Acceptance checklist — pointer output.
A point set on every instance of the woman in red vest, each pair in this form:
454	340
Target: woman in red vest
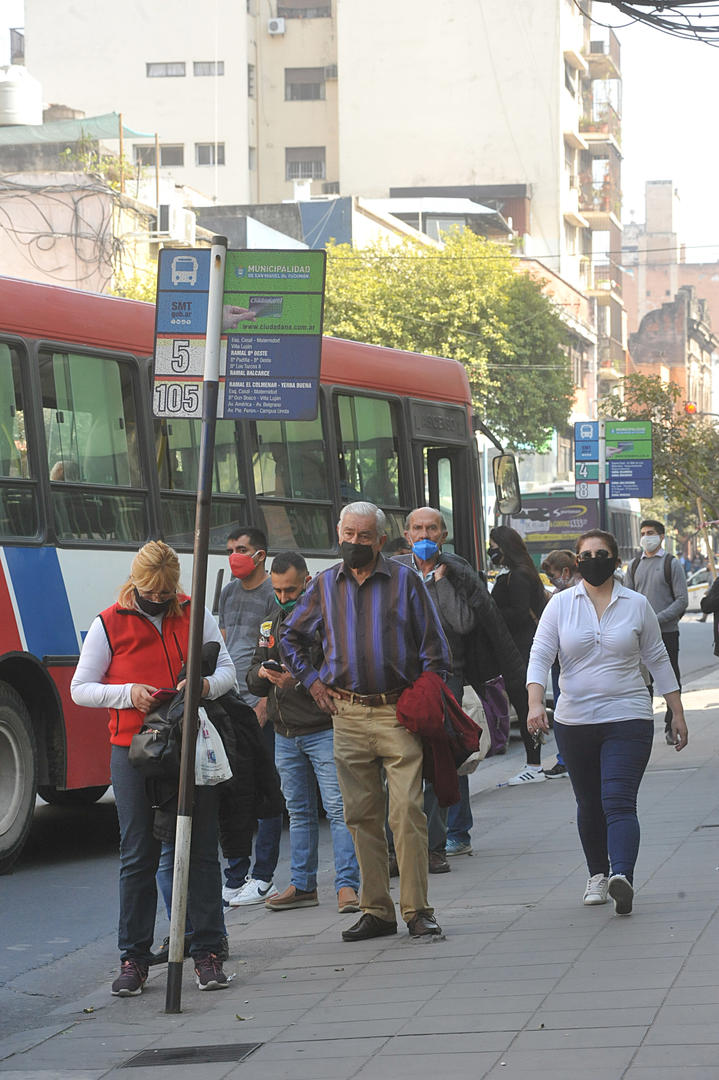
133	648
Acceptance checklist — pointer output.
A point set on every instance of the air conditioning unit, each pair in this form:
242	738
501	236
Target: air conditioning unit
182	225
276	26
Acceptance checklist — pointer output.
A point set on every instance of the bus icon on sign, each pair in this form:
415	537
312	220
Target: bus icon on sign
586	431
184	270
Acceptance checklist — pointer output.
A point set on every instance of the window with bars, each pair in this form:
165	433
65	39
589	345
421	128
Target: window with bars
208	67
304	163
305	84
209	153
174	69
304	9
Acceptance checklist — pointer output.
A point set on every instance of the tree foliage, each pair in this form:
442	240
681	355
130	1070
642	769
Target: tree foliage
685	448
465	301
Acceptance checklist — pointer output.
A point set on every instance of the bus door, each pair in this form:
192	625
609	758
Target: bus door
444	468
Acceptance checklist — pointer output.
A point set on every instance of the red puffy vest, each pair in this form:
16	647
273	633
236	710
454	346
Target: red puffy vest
142	654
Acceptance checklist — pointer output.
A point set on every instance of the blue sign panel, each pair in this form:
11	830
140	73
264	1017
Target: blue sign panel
634	470
265	378
181	313
586	451
187	270
631	489
630	479
586	431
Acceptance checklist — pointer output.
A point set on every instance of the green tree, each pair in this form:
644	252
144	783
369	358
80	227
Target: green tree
685	449
464	301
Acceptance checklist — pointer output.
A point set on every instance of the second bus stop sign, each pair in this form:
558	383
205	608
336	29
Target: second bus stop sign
272	322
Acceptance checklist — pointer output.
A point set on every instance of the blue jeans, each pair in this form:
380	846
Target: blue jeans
139	859
304	762
164	876
267	839
459	818
606	764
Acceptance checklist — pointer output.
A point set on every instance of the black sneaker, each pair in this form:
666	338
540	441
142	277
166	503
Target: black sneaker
209	974
132	978
556	772
163	953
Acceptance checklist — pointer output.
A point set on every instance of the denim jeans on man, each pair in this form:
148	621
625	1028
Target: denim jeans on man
606	763
303	762
459	816
139	859
165	871
267	840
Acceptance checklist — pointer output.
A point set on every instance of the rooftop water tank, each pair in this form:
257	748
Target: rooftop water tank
20	97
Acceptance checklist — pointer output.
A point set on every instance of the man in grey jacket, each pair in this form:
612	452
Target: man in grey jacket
426	531
665	586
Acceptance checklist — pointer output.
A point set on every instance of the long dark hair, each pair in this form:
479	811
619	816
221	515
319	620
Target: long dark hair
514	552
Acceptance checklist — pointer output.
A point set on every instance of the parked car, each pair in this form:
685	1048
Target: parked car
697	584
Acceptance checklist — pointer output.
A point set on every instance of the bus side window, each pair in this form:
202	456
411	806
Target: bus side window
369	462
18	501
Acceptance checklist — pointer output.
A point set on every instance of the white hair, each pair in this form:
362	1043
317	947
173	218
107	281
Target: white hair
366	509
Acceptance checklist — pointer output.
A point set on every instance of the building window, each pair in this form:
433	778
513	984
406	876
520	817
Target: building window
304	163
251	80
304	9
208	67
208	153
570	78
166	70
332	187
251	158
169	155
304	84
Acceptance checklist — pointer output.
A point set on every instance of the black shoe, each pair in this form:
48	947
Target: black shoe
438	863
557	772
163	953
130	981
369	926
424	925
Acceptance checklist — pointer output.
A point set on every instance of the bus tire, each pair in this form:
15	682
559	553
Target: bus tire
18	775
84	796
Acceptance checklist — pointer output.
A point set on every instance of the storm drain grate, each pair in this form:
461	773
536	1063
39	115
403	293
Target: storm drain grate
192	1055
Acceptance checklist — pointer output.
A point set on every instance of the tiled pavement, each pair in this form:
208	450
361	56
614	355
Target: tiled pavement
527	983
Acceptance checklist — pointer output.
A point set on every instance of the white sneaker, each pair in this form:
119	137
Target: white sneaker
253	891
531	774
622	893
596	890
229	894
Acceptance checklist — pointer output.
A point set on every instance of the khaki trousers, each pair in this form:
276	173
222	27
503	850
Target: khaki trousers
365	740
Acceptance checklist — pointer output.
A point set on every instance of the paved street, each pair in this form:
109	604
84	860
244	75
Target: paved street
528	981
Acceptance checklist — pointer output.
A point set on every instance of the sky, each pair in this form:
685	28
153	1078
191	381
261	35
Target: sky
670	87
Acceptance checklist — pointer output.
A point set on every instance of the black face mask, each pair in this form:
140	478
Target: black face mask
356	555
596	571
495	556
152	607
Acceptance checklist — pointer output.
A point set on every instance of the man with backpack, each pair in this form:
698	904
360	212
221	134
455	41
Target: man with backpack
659	576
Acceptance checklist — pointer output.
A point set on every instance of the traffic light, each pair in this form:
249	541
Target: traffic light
690	408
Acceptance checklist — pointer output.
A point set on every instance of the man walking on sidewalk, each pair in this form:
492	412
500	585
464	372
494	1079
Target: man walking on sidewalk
304	753
379	631
660	577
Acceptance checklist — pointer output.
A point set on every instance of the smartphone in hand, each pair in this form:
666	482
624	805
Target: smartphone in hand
163	695
273	665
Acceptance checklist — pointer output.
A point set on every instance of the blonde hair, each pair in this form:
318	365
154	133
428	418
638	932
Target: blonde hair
155	569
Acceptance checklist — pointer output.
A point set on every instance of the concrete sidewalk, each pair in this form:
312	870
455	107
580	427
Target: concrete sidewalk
528	983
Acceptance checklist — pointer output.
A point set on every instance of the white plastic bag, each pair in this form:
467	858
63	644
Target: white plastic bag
472	705
211	763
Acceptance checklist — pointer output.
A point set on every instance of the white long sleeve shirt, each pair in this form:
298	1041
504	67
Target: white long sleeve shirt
87	687
600	680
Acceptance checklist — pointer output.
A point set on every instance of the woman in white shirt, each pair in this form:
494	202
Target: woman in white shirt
603	723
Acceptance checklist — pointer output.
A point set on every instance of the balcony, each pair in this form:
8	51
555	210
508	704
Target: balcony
604	58
607	282
611	362
600	201
602	123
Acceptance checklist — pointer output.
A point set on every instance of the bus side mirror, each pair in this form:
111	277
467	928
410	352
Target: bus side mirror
506	484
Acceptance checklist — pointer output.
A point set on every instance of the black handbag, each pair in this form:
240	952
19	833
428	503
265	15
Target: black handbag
155	749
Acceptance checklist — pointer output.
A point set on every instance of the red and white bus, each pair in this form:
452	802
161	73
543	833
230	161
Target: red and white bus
87	475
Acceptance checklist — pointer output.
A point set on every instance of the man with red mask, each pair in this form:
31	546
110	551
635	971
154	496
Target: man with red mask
246	602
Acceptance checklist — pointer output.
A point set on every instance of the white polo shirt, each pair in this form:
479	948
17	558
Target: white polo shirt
600	680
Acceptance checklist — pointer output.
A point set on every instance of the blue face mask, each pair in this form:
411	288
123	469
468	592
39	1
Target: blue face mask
425	549
288	604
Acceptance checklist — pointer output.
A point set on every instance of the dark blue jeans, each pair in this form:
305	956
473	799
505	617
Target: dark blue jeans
606	763
139	859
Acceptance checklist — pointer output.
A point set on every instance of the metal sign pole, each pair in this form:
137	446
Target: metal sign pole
183	834
602	474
